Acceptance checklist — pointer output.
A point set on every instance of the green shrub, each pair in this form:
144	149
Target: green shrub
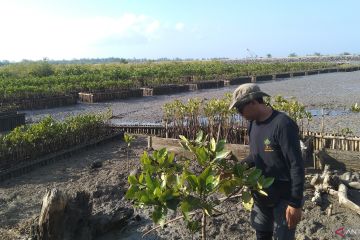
193	185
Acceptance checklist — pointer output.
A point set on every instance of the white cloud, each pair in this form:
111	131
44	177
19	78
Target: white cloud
152	27
32	34
179	26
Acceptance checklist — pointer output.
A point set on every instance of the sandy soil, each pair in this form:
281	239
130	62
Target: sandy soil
20	200
335	92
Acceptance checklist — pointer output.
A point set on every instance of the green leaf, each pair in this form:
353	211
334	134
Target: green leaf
216	181
132	180
212	145
207	212
207	171
171	180
246	196
149	182
248	205
212	182
128	139
239	181
247	200
173	203
131	192
161	155
201	155
145	160
227	186
159	214
254	175
170	158
185	143
209	180
164	178
221	155
182	137
193	226
260	182
189	204
193	182
262	192
199	136
203	177
220	145
157	192
238	170
144	197
268	182
141	178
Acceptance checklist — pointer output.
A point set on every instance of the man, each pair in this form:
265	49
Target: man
275	149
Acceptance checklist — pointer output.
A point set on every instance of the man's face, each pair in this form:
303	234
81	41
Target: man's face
248	110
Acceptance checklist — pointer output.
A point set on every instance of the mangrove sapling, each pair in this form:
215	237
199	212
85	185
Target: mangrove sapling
32	80
292	107
29	142
194	115
355	107
128	140
193	185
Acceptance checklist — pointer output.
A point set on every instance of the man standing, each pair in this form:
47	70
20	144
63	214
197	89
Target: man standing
275	149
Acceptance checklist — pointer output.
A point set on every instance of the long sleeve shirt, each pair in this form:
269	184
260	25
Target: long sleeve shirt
275	149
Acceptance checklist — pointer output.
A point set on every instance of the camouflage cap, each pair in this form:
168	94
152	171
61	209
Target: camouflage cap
245	93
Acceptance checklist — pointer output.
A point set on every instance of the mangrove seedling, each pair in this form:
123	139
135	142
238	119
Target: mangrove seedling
355	107
193	186
128	140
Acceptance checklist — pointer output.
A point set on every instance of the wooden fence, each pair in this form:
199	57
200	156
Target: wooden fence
9	121
334	141
321	140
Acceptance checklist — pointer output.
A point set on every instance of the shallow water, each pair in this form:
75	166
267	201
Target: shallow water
328	112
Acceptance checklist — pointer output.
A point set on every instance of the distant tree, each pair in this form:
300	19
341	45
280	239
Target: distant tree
268	55
41	69
123	60
345	54
4	62
292	55
317	54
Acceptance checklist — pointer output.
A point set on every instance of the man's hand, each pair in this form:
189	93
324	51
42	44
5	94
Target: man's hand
293	216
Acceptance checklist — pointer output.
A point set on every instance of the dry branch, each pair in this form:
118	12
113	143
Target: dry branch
323	184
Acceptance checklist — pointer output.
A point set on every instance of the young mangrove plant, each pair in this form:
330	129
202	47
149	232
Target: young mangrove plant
214	117
194	186
292	107
32	141
355	107
128	140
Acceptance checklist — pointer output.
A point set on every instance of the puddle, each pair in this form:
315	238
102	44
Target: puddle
328	112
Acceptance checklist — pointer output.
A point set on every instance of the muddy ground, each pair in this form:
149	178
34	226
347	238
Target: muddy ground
20	200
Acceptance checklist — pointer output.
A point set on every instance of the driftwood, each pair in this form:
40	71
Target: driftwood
327	183
343	199
326	159
351	180
65	217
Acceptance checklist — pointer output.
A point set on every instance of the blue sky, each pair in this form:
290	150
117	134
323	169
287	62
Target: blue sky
69	29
